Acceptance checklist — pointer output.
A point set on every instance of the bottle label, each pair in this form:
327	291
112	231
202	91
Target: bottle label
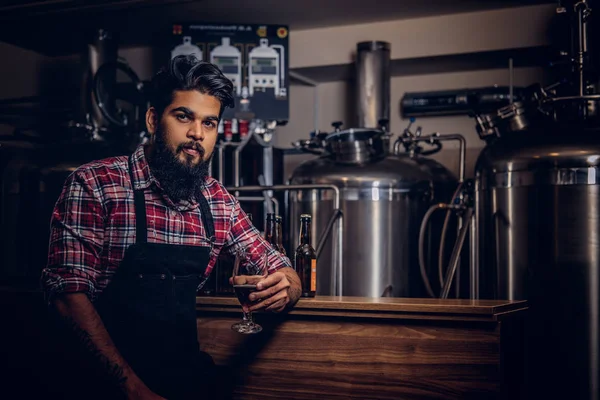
313	275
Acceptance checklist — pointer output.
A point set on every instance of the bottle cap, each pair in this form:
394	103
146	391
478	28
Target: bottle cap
305	216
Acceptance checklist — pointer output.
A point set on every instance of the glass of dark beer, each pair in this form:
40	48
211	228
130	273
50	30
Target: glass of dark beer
246	275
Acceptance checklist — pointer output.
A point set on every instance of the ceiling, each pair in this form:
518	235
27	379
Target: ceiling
61	27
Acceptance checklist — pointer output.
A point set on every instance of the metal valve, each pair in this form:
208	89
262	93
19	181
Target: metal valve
336	125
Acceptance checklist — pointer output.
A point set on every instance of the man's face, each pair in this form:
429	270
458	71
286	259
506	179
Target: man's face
184	139
189	126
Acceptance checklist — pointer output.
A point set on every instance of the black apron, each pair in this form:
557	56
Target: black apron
149	310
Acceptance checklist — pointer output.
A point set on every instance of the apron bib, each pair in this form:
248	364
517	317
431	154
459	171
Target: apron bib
149	310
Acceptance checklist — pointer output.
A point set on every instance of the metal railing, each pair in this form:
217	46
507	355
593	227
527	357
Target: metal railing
336	218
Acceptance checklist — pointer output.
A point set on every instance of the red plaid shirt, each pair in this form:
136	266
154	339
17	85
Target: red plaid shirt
93	223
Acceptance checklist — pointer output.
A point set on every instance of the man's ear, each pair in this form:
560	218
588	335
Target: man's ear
151	121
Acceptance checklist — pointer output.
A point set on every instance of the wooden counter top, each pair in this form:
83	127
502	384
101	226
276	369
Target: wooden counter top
325	348
371	348
385	307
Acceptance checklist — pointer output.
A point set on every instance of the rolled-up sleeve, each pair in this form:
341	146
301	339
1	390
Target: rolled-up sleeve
244	236
76	239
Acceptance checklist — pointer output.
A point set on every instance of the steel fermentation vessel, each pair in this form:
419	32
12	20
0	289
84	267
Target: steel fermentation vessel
538	219
383	199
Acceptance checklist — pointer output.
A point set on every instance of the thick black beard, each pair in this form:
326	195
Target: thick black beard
180	181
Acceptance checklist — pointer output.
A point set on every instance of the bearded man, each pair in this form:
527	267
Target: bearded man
133	238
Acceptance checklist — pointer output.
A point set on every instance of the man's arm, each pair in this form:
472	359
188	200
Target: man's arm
69	281
79	314
282	288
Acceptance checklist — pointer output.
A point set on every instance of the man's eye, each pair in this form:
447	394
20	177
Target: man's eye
209	124
183	117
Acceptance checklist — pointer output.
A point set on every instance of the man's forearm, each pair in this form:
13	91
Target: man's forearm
79	314
295	289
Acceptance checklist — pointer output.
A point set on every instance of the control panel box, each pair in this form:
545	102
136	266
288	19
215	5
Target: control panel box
254	57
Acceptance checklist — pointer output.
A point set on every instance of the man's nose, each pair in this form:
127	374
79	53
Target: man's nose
195	131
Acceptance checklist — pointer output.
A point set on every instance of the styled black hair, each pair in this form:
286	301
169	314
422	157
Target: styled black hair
185	72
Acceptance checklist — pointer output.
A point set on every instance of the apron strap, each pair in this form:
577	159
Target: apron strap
207	217
141	229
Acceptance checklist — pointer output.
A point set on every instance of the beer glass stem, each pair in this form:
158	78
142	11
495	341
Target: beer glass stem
248	317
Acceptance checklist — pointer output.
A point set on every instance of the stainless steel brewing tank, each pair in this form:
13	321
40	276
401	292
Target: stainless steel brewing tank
383	199
538	214
537	209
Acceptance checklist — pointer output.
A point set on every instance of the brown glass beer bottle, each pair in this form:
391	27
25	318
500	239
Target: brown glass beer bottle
270	228
278	235
305	259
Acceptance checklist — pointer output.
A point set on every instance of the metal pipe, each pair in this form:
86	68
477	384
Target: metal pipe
372	83
255	198
462	153
396	148
446	137
338	260
474	253
323	239
267	166
459	224
221	158
276	202
316	109
236	159
266	197
436	137
456	254
581	9
569	98
336	190
443	235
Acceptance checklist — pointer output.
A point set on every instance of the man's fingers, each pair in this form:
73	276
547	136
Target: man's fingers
268	301
246	279
282	285
282	295
253	280
272	292
279	305
271	280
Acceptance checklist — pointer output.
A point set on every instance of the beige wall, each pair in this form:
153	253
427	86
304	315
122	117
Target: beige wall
333	106
447	34
441	35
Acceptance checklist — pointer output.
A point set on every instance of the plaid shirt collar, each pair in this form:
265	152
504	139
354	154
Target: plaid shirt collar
144	179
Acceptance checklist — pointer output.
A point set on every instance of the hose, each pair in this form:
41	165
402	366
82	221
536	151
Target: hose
443	236
456	254
424	224
437	146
